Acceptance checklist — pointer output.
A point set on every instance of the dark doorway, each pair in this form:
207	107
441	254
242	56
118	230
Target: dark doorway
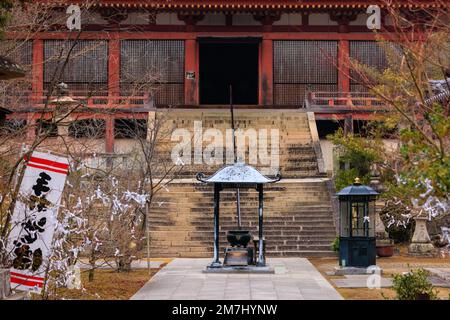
225	63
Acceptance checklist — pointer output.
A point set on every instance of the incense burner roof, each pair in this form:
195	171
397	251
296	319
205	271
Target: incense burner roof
238	173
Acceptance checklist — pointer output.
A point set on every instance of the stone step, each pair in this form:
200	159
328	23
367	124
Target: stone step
268	210
174	252
283	184
300	164
246	213
267	221
290	247
302	253
276	238
206	214
273	240
207	197
328	232
267	228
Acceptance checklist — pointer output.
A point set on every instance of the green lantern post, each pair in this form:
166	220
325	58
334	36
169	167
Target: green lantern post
357	226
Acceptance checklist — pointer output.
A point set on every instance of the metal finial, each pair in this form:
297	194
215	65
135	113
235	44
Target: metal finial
62	88
357	181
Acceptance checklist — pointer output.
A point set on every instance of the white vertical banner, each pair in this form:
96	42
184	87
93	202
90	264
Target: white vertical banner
34	219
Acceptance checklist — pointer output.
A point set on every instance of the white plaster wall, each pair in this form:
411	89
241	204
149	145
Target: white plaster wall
289	19
88	17
126	146
327	151
244	20
60	17
321	19
212	19
360	20
168	18
137	18
327	154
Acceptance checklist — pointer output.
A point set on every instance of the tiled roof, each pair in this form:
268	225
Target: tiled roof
217	5
441	97
9	70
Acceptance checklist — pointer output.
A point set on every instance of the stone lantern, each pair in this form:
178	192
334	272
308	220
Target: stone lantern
63	99
357	246
421	243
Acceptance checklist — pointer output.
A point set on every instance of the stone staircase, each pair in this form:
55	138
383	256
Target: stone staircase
296	153
298	217
300	161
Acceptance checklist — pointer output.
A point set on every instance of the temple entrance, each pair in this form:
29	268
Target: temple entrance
229	61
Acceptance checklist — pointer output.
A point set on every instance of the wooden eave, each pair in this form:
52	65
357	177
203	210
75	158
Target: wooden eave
245	5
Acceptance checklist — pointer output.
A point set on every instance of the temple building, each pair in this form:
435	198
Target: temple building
287	63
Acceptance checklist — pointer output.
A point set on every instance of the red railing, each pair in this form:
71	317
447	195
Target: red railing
343	100
101	101
314	100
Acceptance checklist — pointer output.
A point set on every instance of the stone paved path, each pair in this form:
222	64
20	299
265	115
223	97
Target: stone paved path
360	281
294	279
136	264
440	277
443	273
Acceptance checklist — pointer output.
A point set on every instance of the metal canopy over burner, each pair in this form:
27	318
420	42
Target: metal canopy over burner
238	176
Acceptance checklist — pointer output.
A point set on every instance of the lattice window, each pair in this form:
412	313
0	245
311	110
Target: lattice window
87	128
155	67
299	65
369	53
13	127
86	72
46	128
130	128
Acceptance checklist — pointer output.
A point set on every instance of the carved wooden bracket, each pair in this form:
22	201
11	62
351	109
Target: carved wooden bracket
190	19
343	18
152	17
267	18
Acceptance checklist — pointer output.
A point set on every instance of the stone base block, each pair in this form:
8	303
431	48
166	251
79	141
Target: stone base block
19	296
422	250
342	271
243	269
5	285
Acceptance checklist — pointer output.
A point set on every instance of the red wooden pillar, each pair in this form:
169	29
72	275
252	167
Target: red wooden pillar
109	134
37	84
191	68
114	67
37	71
344	66
113	90
31	128
266	73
